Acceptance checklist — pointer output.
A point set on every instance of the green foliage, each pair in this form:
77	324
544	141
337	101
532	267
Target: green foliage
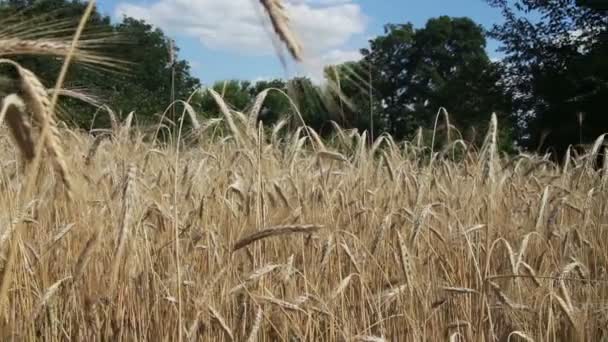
416	72
235	93
595	4
356	103
276	104
312	103
144	86
556	64
147	87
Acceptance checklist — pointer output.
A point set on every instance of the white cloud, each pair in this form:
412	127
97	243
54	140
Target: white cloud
323	26
313	67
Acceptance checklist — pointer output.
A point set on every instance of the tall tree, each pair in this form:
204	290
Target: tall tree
555	56
154	77
415	72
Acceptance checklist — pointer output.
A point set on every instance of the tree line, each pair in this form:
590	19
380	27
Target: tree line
547	89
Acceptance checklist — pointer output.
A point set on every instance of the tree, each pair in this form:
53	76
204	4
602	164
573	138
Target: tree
415	72
352	94
235	93
276	105
596	4
59	18
555	57
144	86
147	86
311	102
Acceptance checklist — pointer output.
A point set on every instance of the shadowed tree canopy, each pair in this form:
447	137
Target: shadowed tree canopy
595	4
142	84
276	105
234	92
414	72
555	56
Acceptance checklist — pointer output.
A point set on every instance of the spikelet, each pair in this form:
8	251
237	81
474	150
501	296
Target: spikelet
125	226
406	264
459	290
194	328
520	254
285	305
531	273
566	309
288	269
63	232
257	323
254	276
595	149
221	321
521	335
85	255
256	108
388	295
386	224
541	211
275	231
351	257
504	299
13	109
342	286
328	248
369	338
126	127
37	101
489	147
418	224
50	292
93	149
332	156
236	133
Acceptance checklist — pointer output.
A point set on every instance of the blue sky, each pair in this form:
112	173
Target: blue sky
227	39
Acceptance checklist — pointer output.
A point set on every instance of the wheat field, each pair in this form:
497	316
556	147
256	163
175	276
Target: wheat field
233	231
263	235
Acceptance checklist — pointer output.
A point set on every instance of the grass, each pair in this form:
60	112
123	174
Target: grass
263	234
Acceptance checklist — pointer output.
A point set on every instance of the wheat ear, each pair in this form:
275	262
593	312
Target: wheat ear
125	225
275	231
13	109
280	23
38	102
